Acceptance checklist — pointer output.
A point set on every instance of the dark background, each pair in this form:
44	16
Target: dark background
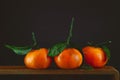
94	21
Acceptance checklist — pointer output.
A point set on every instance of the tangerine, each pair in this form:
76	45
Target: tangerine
69	58
94	56
37	59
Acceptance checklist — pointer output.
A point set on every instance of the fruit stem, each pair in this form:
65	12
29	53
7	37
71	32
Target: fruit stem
103	43
90	43
34	39
70	32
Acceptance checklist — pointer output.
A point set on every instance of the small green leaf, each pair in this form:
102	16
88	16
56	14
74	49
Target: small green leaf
107	51
19	50
25	49
57	49
87	67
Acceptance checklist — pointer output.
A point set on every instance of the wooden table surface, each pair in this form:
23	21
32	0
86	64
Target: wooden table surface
22	70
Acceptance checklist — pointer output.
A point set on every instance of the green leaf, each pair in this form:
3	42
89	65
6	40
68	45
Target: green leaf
19	50
57	49
23	50
87	67
107	51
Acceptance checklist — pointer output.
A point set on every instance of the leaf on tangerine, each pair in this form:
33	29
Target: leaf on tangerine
25	49
87	67
19	50
57	49
107	51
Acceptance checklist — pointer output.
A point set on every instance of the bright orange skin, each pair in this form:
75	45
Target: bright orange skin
37	59
94	56
69	58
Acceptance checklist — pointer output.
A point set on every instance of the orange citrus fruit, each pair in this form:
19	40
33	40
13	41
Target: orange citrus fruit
37	59
94	56
69	58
